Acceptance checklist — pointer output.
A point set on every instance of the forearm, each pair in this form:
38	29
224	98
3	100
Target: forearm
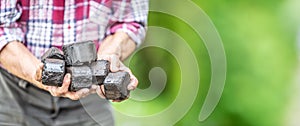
119	44
17	59
116	48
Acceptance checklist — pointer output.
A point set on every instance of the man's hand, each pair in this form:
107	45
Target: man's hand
63	91
115	48
115	66
17	59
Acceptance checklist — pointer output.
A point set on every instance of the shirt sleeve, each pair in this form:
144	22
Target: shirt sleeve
130	16
10	30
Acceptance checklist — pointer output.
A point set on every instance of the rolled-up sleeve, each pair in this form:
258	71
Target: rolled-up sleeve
130	16
10	30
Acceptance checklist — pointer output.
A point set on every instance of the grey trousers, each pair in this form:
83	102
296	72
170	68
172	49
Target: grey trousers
23	104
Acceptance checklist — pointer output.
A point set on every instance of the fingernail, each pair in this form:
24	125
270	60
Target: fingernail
68	76
94	87
130	87
86	91
114	69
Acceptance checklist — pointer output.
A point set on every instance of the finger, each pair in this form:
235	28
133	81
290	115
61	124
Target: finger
66	82
71	95
99	92
119	100
124	68
93	89
133	83
82	93
115	63
38	74
133	80
47	88
65	86
53	91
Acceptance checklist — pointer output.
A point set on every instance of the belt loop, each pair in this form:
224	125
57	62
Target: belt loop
23	84
55	106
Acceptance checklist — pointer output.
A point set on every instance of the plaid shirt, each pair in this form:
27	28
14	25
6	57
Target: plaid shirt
42	24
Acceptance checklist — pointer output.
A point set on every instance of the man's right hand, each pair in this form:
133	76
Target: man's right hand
17	59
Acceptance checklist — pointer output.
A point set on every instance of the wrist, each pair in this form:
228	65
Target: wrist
23	64
118	44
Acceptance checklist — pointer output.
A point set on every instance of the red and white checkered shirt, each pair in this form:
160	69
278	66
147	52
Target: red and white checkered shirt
42	24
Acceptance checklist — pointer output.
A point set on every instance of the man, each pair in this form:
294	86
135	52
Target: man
28	28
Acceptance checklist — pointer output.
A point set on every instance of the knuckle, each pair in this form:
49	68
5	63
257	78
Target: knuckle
54	94
136	82
59	92
74	97
77	96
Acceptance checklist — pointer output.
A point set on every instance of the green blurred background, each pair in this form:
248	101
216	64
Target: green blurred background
259	38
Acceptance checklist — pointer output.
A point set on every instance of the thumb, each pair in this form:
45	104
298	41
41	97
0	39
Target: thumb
38	73
114	63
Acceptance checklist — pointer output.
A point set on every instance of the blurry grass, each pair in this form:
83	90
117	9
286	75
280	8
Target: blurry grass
261	57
